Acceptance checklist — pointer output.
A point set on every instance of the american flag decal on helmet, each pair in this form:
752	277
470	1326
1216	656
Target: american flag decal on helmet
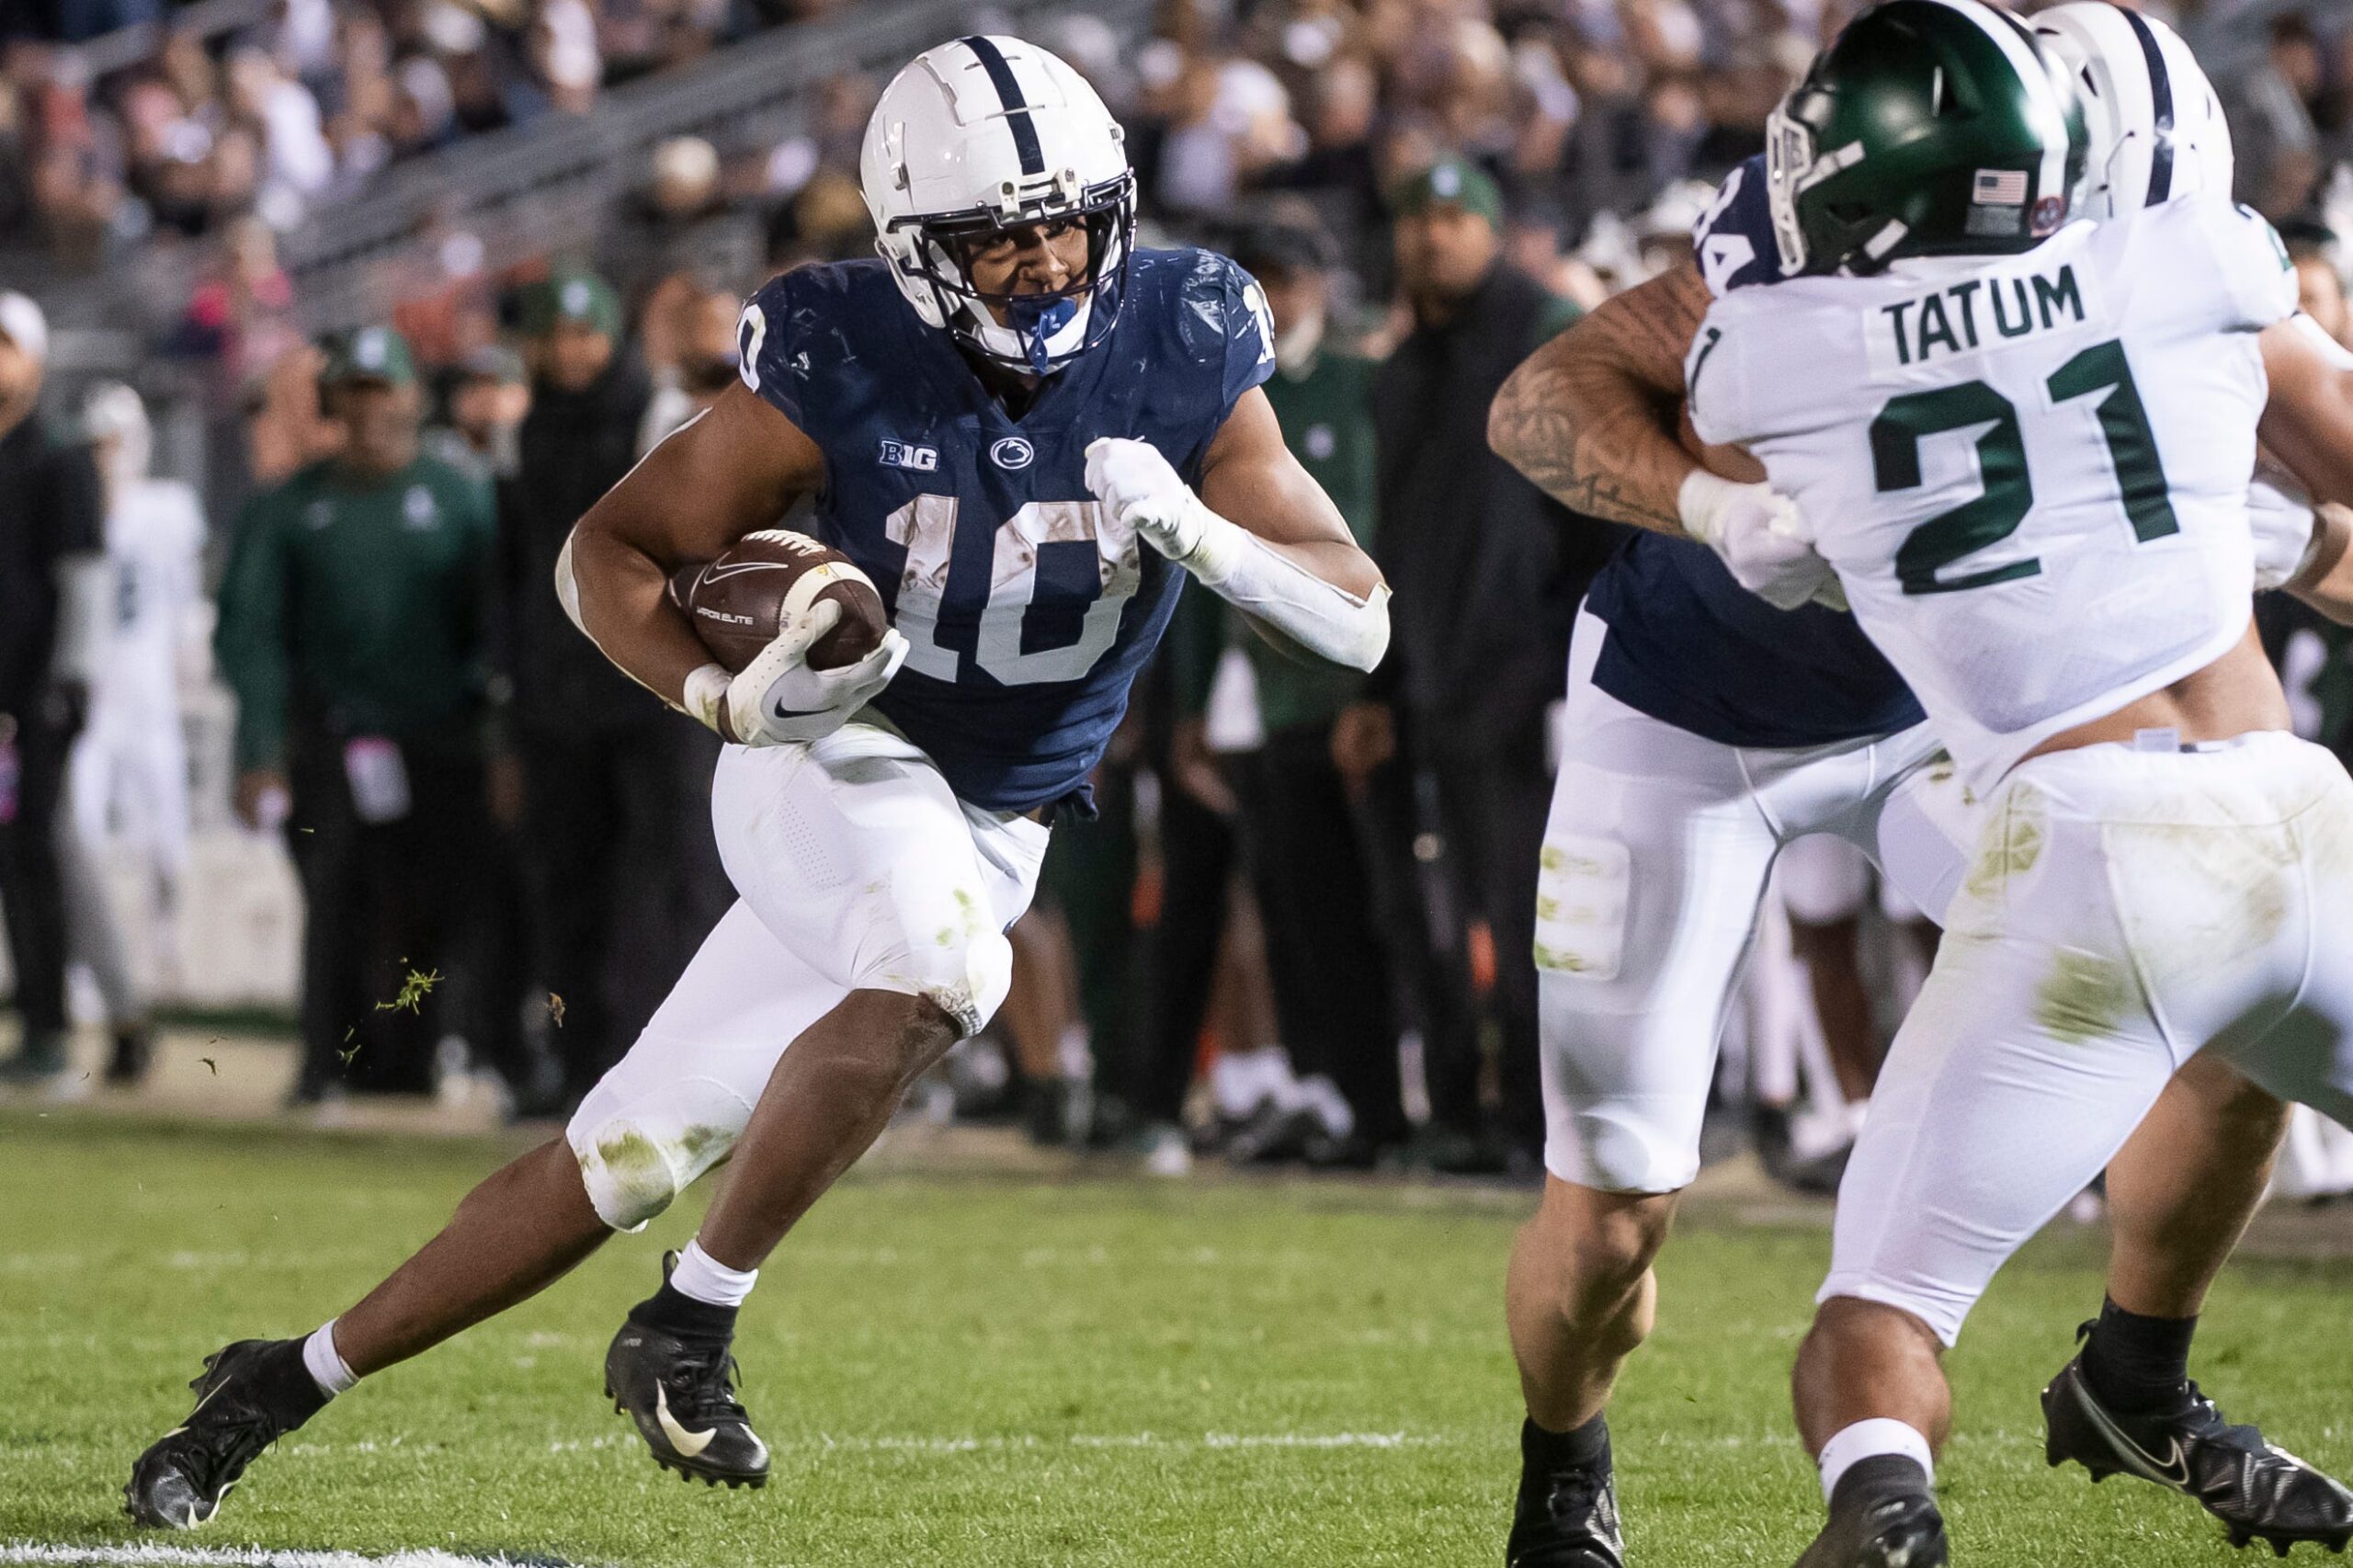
1999	187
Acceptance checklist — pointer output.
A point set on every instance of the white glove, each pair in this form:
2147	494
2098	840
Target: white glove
778	699
1761	537
2288	532
1143	492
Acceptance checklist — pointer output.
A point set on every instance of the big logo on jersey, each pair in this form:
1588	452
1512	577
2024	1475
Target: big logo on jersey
926	528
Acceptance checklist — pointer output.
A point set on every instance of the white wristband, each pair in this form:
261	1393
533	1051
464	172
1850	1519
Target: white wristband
1701	502
705	687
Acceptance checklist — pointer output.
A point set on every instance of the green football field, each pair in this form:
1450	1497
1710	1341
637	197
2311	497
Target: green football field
964	1365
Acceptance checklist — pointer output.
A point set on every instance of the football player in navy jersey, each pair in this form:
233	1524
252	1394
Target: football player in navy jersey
1721	704
1027	434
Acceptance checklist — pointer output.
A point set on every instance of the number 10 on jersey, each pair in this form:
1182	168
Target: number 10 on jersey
926	528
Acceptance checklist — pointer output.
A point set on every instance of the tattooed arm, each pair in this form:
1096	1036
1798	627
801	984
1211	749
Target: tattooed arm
1595	417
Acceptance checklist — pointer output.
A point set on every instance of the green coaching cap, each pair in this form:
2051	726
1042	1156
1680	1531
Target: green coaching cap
371	354
1457	180
581	297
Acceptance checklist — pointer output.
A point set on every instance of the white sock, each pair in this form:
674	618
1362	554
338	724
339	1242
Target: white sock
325	1366
1075	1054
1866	1439
702	1277
1331	1107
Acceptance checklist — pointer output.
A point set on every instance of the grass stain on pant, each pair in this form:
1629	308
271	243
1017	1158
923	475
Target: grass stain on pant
2084	997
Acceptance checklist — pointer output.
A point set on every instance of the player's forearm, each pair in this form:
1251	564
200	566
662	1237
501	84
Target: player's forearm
620	596
1340	562
1324	595
2327	584
2308	422
1589	437
1592	417
733	468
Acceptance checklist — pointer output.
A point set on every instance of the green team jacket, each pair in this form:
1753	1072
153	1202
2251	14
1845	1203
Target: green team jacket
1327	415
367	606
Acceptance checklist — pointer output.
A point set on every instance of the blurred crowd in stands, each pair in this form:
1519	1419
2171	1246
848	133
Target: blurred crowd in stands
1329	881
302	107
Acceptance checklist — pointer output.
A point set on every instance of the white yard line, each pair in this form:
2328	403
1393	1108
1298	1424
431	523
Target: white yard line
27	1552
1027	1442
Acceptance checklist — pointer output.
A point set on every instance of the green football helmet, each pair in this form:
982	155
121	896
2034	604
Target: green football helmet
1927	127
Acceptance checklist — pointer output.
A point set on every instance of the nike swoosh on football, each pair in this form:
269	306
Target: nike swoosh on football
2173	1472
689	1445
718	574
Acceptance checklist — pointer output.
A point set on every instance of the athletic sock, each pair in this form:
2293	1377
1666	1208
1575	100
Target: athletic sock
705	1278
673	1311
1579	1448
1878	1453
325	1363
1875	1478
2138	1363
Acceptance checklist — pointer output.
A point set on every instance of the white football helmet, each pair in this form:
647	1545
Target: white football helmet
113	411
988	133
2156	128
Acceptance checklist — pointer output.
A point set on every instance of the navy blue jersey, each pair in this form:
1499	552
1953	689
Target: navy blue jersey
1686	642
1028	611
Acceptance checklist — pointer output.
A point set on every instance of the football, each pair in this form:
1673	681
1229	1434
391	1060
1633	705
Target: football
737	601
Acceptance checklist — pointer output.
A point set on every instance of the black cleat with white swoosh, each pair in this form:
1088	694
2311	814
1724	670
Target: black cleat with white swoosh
681	1394
250	1394
2260	1492
1566	1516
1883	1515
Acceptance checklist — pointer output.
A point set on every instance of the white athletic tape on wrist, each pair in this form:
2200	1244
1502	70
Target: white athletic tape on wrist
1702	500
705	687
1245	571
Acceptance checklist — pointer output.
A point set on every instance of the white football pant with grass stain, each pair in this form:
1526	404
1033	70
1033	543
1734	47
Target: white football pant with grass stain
858	869
2124	909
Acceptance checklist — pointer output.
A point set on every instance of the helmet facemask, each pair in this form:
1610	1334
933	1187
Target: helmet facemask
1040	331
1793	165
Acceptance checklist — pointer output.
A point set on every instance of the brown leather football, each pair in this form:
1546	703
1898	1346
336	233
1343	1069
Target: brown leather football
737	601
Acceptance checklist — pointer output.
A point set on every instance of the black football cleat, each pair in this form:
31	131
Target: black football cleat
1883	1516
1564	1518
2260	1492
681	1395
251	1394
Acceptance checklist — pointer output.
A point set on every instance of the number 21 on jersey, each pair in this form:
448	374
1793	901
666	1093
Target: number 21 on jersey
926	526
2008	491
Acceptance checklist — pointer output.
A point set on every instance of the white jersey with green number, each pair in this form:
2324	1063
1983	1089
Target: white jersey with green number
2030	472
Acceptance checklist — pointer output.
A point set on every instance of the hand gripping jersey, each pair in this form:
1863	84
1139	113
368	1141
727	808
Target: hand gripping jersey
2030	472
1028	611
1688	643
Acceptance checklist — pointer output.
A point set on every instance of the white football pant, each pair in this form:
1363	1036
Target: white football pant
1654	864
856	869
2124	909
